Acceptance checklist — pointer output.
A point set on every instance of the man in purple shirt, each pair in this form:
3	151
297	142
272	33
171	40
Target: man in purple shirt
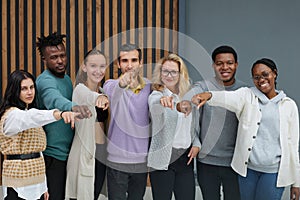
128	134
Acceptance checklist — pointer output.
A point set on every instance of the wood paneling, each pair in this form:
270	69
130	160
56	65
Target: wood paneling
105	24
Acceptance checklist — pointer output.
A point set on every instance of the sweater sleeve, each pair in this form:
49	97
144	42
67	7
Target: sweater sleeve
163	123
19	120
294	129
233	101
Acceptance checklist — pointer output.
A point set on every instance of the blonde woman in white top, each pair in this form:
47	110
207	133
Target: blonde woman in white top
86	163
174	144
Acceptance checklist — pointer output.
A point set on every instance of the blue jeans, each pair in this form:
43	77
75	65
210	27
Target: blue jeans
259	186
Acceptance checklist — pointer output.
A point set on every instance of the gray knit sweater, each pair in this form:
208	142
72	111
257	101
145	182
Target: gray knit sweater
163	125
218	126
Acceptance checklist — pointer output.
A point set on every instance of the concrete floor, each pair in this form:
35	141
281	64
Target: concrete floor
198	194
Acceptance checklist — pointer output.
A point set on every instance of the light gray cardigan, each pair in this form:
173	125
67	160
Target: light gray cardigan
163	125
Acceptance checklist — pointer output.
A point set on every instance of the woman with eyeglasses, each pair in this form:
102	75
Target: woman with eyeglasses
22	138
174	143
266	154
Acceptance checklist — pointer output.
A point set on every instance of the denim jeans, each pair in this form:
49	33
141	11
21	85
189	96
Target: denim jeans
259	186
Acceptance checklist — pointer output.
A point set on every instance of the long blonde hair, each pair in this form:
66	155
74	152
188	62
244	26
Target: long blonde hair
184	80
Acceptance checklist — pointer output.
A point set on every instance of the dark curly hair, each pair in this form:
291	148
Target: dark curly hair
54	39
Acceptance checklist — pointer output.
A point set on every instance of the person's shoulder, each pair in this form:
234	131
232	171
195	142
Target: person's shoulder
240	83
45	76
79	87
290	101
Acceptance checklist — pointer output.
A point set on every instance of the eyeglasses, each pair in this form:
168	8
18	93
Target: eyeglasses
264	75
172	73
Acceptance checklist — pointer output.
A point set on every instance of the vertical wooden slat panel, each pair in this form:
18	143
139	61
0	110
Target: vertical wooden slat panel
4	52
54	16
167	26
149	39
38	34
12	44
114	33
124	22
140	26
106	31
158	30
98	22
29	35
89	25
114	18
72	37
21	49
63	17
46	16
175	25
80	32
132	21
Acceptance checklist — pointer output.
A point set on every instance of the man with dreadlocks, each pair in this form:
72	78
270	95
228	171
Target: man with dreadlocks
55	91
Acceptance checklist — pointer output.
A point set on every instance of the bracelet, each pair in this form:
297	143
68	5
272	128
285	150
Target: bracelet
62	113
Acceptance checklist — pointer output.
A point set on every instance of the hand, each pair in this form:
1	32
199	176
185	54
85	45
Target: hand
83	110
46	195
128	80
70	117
185	107
167	101
102	102
200	99
193	153
294	193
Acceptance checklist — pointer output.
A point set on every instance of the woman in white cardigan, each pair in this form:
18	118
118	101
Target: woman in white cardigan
86	163
266	152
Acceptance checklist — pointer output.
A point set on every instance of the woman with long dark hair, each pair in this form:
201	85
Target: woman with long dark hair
22	138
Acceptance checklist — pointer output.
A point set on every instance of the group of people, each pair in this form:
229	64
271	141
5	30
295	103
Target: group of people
244	139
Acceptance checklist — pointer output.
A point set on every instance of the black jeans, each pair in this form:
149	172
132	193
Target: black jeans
210	178
56	177
124	185
100	172
179	178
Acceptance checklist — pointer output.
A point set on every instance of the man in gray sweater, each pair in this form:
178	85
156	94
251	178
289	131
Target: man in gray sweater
217	130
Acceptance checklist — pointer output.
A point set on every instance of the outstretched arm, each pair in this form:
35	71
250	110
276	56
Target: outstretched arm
201	98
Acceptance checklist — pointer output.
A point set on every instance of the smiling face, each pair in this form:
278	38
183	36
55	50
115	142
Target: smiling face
225	68
129	62
27	91
264	79
95	67
170	75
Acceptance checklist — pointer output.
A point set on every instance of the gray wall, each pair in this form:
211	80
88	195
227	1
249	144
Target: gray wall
256	28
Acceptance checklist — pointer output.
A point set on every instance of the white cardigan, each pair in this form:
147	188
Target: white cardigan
81	161
245	104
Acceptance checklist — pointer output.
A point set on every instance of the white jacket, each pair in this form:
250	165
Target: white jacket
244	103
